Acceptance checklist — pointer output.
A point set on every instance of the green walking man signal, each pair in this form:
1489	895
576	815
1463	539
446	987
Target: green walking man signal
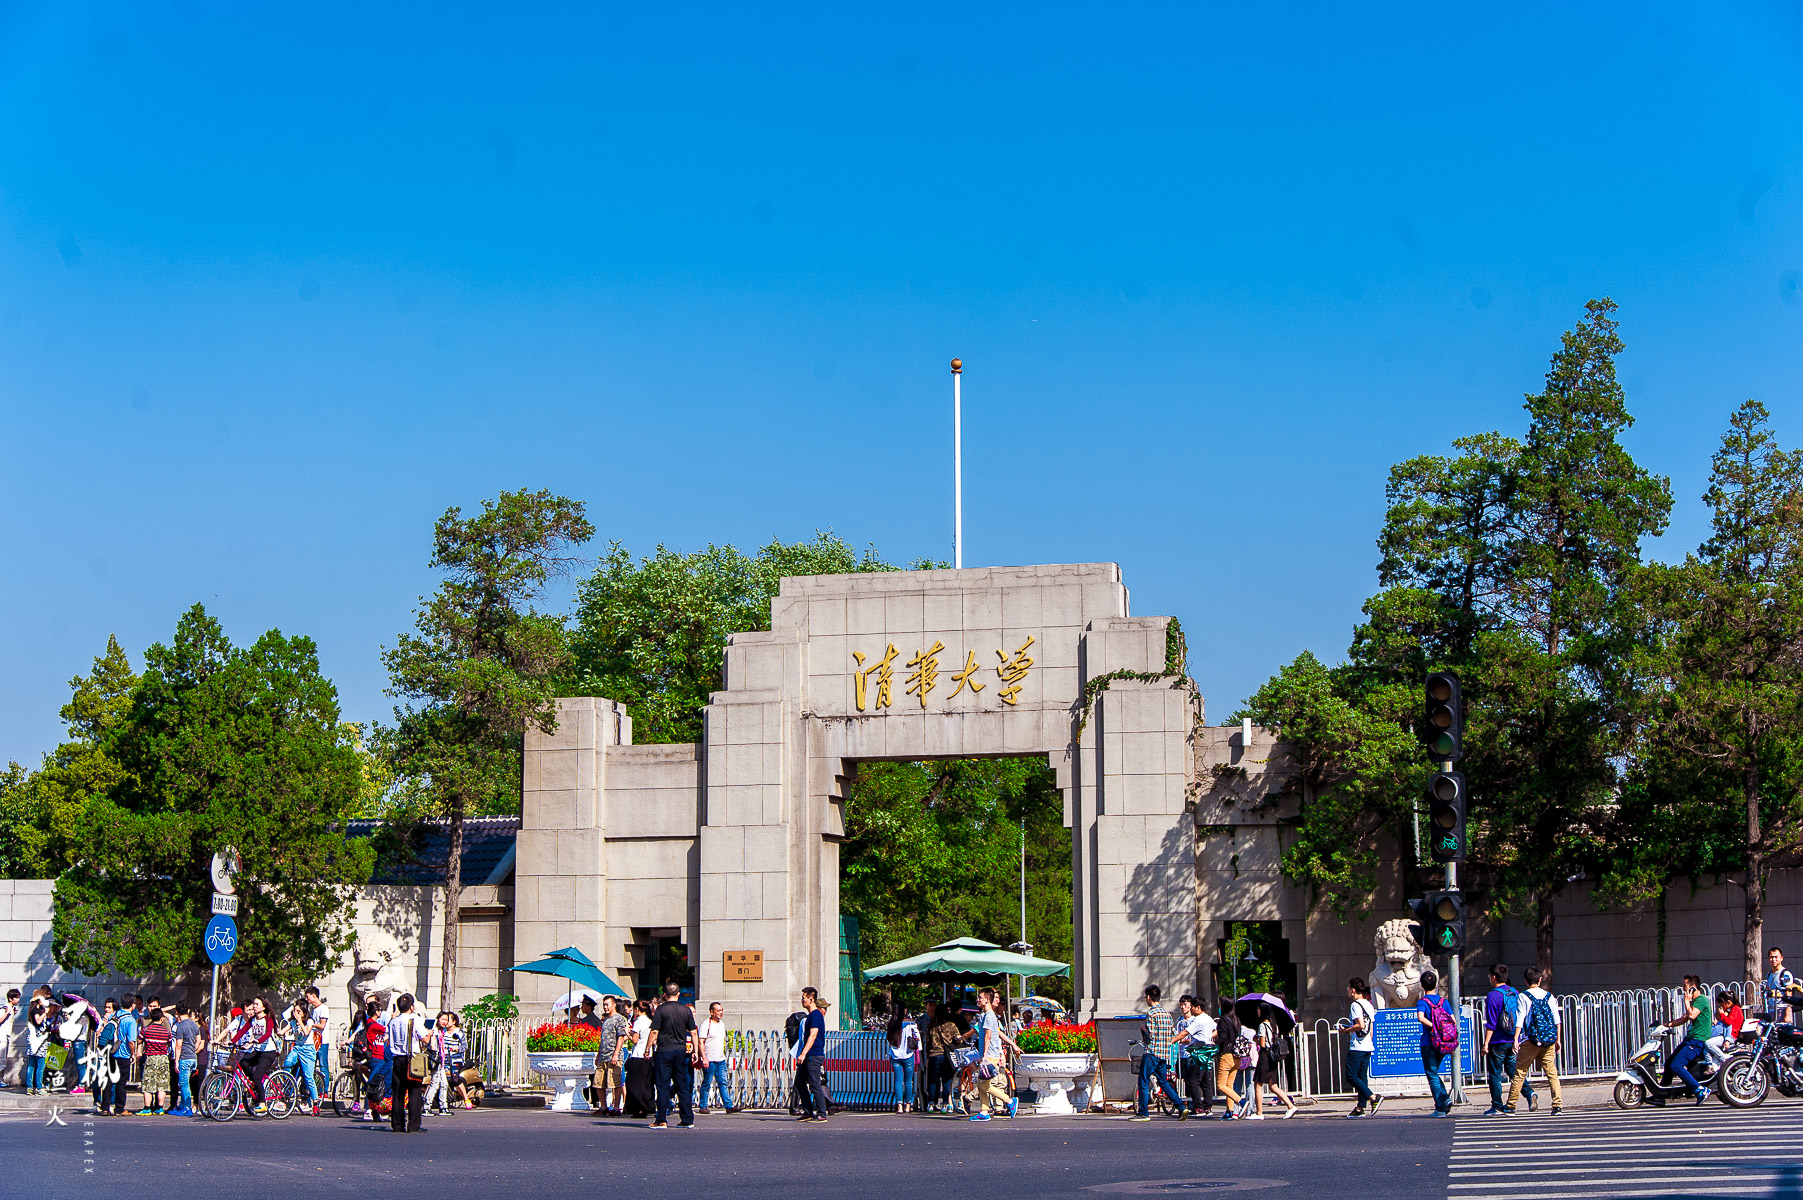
1439	922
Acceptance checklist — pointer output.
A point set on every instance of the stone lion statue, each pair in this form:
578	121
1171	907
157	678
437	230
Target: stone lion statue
373	977
1396	979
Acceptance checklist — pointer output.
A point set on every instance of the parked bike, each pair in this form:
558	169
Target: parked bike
1641	1081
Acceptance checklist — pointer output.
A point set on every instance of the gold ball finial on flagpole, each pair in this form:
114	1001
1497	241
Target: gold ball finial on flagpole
957	366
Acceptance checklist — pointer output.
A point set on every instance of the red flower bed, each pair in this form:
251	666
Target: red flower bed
561	1038
1047	1038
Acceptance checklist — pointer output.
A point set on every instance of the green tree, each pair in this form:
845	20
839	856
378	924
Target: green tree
932	852
651	633
1359	767
1733	661
219	746
480	663
1515	563
43	813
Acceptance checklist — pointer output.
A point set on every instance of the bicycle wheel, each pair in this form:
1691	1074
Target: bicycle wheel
281	1093
345	1093
219	1097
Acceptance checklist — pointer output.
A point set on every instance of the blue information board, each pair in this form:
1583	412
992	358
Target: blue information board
1396	1044
222	939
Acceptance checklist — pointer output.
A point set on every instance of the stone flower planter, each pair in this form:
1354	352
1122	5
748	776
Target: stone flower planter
1054	1076
567	1071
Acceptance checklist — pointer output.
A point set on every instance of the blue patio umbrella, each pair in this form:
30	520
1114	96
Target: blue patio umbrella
577	967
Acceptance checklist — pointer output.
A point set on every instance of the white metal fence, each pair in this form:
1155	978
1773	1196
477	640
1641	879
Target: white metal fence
1598	1032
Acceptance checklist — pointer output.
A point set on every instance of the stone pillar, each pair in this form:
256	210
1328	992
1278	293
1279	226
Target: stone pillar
1136	828
560	859
763	884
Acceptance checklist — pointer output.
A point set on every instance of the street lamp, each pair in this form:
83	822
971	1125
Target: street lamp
1239	949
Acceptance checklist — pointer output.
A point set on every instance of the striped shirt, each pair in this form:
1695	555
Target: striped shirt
156	1040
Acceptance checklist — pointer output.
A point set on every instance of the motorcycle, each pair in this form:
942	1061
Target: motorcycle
1640	1081
1770	1057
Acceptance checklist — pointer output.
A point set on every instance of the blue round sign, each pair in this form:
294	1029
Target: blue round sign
222	939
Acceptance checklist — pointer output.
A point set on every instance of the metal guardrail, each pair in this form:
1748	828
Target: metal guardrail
1598	1032
761	1073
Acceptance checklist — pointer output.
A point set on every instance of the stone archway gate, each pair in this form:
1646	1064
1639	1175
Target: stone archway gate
733	845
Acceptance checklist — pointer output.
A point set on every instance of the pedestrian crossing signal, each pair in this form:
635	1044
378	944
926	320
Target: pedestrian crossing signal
1439	923
1445	923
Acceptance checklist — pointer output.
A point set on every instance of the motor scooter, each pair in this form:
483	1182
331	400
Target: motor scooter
1641	1080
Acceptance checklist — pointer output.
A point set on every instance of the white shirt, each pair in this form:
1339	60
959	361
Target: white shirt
322	1019
1525	1006
641	1031
1362	1011
910	1042
1201	1030
713	1041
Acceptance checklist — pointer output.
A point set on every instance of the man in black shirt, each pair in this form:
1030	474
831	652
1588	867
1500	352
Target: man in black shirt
673	1055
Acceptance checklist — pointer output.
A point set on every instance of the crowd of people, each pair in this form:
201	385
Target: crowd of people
73	1048
654	1059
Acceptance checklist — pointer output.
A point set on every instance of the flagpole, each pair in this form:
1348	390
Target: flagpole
957	463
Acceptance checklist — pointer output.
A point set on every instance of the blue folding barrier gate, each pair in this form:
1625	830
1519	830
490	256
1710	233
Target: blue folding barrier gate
857	1069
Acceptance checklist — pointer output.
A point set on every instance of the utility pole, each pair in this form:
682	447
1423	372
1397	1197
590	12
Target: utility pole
1458	1011
958	473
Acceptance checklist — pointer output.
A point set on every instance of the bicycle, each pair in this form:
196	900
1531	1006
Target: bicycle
349	1087
229	1089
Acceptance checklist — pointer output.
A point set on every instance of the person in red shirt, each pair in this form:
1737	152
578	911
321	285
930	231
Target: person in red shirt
373	1034
1730	1017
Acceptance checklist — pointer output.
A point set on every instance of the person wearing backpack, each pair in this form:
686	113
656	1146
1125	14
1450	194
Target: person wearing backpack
1439	1037
1501	1015
1537	1039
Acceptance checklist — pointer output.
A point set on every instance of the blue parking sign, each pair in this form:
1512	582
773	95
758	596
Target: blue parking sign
222	939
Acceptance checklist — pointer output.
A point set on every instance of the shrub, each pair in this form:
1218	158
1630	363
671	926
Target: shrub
1048	1038
496	1006
558	1038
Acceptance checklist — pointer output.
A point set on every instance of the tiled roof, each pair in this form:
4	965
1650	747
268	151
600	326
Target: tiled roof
486	842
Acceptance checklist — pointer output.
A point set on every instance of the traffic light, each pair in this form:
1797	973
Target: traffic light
1445	913
1444	730
1446	816
1418	929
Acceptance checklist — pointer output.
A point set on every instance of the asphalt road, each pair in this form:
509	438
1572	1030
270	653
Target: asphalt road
503	1152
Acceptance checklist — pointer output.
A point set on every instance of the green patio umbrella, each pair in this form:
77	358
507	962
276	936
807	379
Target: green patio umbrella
963	960
577	967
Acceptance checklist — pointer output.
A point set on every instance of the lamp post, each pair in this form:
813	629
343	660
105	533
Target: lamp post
1239	949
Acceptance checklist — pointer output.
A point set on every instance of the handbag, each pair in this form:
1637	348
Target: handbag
416	1067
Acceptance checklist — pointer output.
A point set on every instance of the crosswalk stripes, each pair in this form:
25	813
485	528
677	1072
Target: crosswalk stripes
1677	1151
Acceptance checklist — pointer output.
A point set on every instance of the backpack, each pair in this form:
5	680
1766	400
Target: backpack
1443	1033
1505	1021
1242	1045
1542	1029
1281	1047
792	1027
109	1033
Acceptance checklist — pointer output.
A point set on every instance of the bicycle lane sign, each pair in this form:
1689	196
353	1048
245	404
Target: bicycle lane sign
222	939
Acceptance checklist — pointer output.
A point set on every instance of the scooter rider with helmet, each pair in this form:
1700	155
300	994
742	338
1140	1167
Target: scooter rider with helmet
1699	1014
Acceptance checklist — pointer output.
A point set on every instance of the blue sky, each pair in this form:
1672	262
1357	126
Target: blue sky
276	289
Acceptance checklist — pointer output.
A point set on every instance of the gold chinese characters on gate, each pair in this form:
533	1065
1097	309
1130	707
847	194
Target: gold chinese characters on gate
873	679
